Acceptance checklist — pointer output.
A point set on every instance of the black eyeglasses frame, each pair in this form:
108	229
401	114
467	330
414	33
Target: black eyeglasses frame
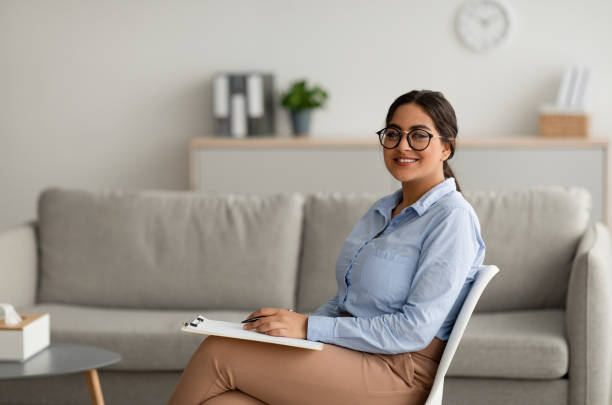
380	135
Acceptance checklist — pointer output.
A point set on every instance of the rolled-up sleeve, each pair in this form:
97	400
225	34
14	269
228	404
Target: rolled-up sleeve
448	253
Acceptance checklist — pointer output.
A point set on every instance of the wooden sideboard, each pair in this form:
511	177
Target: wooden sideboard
309	163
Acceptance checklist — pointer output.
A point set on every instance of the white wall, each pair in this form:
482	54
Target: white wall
108	93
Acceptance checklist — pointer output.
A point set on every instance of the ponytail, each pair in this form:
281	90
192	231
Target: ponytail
448	172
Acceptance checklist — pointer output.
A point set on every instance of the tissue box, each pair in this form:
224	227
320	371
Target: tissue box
575	125
21	341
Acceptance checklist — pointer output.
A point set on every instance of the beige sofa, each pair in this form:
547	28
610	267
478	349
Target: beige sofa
123	269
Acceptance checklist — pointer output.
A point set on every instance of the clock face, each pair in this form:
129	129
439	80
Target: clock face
483	24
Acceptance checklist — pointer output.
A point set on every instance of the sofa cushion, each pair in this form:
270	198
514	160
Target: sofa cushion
530	234
514	344
527	344
328	219
169	249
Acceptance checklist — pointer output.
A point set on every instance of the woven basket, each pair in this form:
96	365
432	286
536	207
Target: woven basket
571	125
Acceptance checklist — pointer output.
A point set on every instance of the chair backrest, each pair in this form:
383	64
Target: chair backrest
482	278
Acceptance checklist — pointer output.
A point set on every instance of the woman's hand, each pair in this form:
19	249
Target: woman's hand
279	322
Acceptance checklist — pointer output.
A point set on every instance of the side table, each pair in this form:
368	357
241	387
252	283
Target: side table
64	358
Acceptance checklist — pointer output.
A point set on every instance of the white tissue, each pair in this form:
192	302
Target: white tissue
10	315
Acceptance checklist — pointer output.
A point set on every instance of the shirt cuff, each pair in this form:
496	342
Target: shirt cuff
320	328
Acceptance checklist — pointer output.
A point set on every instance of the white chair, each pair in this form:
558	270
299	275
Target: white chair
481	279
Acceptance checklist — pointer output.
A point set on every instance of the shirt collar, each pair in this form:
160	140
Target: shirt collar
387	203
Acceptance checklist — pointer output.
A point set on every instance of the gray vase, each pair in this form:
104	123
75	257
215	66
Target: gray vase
300	121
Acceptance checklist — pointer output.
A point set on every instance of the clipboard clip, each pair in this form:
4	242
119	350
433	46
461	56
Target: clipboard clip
196	321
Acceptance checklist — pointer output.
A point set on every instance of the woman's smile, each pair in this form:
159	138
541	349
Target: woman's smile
405	160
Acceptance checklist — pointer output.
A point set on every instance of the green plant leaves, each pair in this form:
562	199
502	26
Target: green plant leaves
300	97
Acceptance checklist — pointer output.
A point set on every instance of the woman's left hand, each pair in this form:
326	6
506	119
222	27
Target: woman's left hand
279	322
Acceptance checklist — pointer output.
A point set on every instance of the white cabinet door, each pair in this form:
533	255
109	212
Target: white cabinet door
309	165
292	169
518	168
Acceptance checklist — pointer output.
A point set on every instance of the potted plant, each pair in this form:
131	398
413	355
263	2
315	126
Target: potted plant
300	100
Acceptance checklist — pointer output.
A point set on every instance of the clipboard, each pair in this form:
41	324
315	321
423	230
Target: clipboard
207	326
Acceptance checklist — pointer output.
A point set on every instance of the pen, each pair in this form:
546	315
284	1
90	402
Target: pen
253	319
257	317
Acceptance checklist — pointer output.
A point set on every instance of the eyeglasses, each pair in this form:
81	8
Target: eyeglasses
418	139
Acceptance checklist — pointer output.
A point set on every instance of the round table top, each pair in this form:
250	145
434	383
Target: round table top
59	358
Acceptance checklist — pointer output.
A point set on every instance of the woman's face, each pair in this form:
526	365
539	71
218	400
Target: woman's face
428	168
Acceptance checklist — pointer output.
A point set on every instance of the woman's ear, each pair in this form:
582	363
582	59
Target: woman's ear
446	152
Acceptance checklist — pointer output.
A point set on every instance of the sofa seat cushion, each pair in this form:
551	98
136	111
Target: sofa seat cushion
515	344
146	339
526	344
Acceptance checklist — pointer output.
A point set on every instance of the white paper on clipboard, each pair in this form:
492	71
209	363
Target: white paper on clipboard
207	326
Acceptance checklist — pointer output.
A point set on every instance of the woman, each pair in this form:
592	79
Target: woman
406	268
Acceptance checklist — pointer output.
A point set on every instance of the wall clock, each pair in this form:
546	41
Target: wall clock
483	25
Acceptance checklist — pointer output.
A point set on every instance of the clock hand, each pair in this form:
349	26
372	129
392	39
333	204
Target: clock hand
485	22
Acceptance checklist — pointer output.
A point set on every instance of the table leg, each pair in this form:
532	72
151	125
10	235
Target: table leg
95	391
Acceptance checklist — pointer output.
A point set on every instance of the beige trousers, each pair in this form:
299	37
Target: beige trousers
236	371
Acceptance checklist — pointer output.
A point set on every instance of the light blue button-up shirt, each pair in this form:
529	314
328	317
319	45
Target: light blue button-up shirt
407	285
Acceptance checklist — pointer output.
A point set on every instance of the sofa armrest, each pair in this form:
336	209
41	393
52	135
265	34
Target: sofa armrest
19	264
588	319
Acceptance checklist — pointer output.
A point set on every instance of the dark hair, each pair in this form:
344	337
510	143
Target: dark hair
441	113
